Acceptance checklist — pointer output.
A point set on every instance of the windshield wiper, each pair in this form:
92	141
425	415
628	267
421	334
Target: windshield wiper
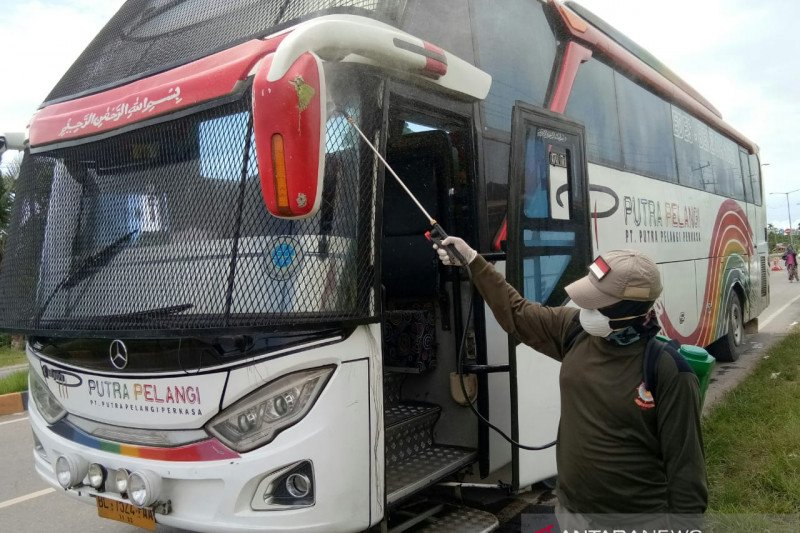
158	312
89	266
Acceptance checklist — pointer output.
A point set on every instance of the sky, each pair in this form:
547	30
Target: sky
742	55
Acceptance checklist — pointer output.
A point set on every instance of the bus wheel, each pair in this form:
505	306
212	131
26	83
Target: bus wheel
729	347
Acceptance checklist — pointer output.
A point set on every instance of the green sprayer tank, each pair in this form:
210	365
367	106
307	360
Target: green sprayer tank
701	362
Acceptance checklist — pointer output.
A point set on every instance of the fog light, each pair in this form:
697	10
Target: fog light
298	485
121	480
70	470
144	488
290	487
97	476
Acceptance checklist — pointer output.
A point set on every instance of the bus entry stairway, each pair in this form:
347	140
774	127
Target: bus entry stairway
414	461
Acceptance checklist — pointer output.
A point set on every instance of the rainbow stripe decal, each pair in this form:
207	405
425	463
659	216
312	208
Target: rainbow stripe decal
206	450
731	247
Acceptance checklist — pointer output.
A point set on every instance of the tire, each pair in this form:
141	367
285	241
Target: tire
730	346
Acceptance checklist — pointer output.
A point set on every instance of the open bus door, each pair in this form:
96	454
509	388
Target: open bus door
549	246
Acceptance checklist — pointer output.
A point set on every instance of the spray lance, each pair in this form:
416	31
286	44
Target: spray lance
438	235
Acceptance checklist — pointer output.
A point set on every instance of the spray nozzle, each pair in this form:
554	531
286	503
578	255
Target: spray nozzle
437	234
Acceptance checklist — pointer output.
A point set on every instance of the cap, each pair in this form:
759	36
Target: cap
614	276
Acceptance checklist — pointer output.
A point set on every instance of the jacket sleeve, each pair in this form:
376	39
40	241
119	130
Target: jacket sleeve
540	327
678	411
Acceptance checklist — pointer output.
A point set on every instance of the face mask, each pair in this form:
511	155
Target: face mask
595	323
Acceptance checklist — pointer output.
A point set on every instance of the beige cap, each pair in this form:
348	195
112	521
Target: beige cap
614	276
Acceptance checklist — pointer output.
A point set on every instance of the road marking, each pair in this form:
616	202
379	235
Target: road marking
778	312
12	421
32	495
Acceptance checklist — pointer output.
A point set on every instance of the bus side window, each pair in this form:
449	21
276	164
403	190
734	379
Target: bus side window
593	101
755	178
744	169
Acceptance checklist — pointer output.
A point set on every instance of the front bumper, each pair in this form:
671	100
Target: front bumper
216	495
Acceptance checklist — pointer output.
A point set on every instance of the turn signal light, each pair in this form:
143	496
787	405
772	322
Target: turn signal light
279	173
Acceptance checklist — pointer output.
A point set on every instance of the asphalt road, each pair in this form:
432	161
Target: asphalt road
27	504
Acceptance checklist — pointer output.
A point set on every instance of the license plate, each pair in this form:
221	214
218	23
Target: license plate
126	513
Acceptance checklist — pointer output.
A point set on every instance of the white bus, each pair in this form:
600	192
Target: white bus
234	320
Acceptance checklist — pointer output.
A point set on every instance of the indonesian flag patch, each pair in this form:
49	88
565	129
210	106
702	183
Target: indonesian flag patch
599	268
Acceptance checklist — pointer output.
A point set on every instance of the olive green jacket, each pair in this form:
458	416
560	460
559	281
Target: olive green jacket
618	451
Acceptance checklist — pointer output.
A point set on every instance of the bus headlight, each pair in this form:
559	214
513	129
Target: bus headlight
257	418
144	488
70	470
47	404
121	480
97	476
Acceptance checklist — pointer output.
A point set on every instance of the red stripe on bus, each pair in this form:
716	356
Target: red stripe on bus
573	57
434	66
502	234
185	86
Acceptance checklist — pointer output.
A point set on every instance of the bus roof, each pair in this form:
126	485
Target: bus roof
634	60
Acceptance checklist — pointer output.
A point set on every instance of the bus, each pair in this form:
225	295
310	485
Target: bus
234	321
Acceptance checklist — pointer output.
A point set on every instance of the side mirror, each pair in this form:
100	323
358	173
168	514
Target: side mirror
12	141
289	116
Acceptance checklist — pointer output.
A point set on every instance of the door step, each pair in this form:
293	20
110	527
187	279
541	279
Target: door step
414	460
425	468
444	518
409	430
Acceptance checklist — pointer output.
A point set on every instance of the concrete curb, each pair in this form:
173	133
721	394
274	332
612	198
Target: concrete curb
12	403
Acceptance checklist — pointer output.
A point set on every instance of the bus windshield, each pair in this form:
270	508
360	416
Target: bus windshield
164	228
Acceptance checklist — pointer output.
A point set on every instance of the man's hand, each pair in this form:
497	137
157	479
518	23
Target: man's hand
462	247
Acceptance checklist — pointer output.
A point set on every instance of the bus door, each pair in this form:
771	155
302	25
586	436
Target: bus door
549	246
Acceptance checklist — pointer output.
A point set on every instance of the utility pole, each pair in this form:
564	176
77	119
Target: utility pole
789	211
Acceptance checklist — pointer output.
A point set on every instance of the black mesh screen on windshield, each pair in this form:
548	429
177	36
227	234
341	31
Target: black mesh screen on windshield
148	36
164	229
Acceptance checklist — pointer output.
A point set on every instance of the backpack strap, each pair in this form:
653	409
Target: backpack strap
574	332
655	347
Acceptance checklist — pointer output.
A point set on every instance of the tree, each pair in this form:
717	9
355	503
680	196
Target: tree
9	171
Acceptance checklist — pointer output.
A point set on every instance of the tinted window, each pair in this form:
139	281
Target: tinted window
497	157
755	178
706	159
593	102
424	20
745	170
645	125
725	161
516	46
691	148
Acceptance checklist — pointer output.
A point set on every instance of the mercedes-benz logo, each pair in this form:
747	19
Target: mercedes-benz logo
118	354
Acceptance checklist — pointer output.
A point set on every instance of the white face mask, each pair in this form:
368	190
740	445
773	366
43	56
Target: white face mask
595	323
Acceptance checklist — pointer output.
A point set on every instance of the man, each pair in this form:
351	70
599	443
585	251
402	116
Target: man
791	263
619	450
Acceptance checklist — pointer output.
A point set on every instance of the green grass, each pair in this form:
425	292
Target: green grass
752	438
10	356
15	382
